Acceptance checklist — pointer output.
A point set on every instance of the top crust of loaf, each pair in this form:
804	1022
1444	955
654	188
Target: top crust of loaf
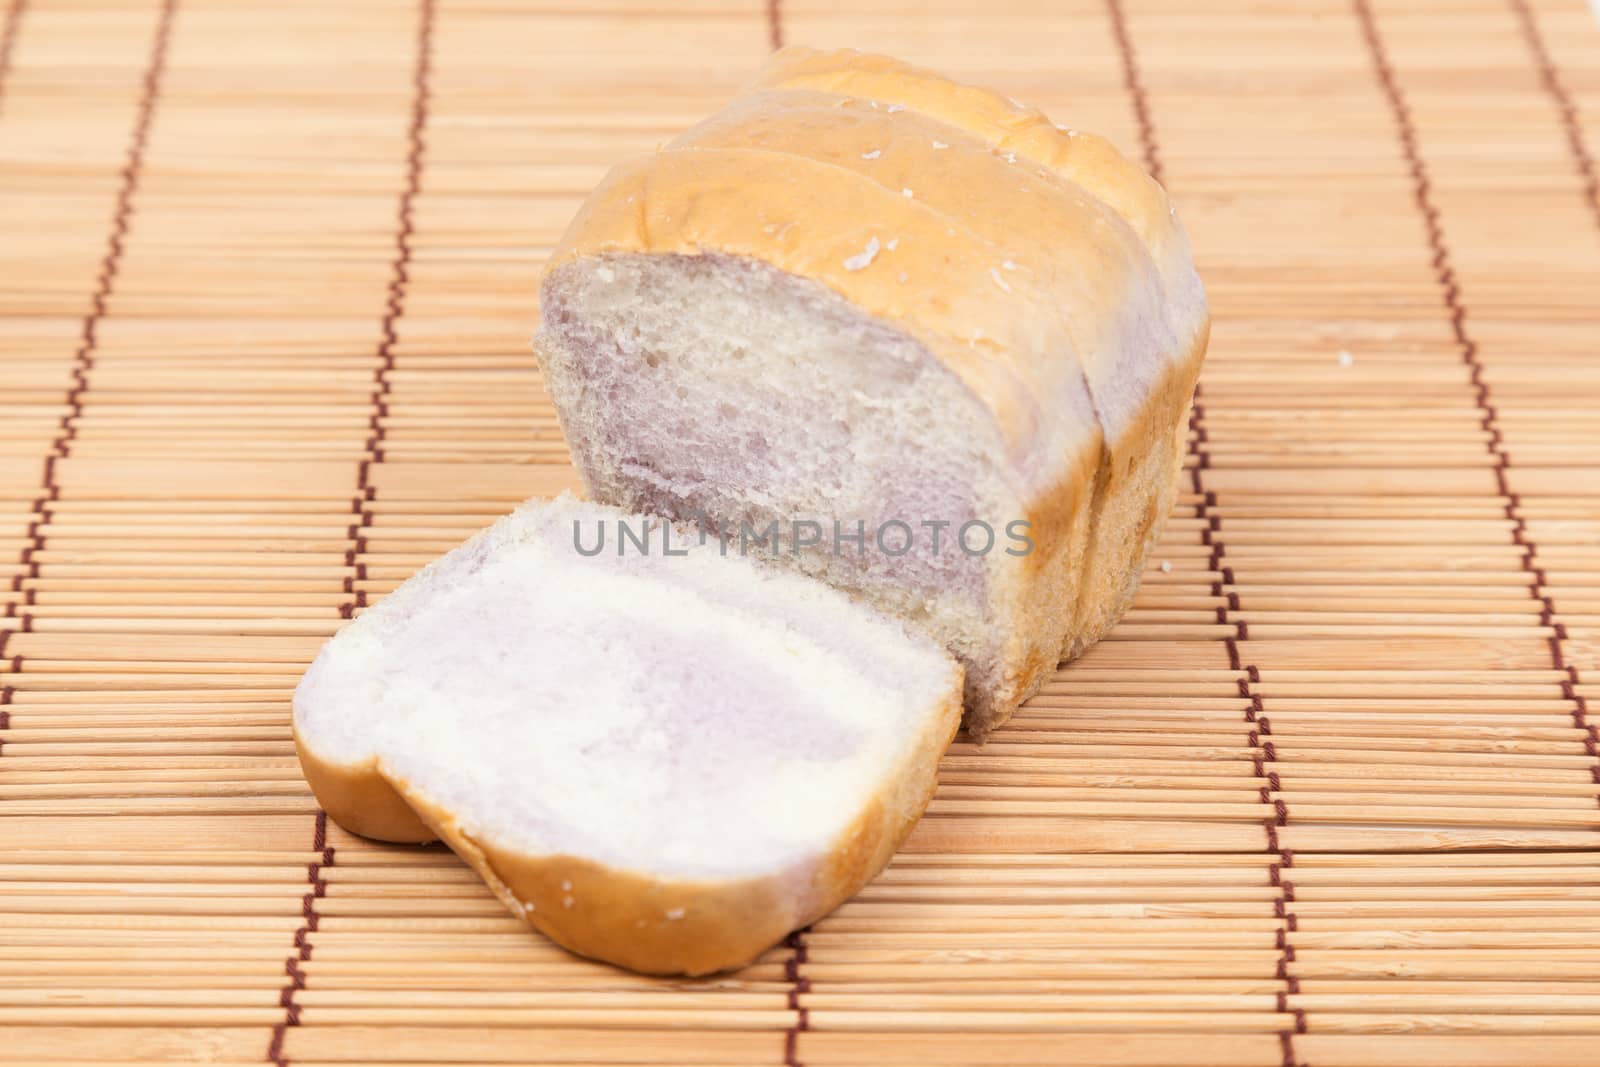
1084	159
1048	272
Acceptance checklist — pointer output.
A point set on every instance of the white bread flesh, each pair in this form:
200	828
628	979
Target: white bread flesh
663	761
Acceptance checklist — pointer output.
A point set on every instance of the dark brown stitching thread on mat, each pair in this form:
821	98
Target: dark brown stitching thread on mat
1571	125
8	38
1583	162
5	693
798	984
8	41
1265	755
302	939
1444	270
88	338
1451	289
1133	82
1264	752
394	309
775	23
105	285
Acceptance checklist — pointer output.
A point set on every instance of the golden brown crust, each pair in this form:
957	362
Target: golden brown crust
1134	495
1084	159
644	923
360	799
1085	570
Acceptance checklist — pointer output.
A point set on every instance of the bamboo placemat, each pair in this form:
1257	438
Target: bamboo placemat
1329	796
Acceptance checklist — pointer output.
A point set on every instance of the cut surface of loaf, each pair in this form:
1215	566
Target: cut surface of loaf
864	294
663	761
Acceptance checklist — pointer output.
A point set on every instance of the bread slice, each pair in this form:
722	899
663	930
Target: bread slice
664	761
863	294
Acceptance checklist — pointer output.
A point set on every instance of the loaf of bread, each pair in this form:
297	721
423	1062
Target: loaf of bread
917	347
863	298
665	761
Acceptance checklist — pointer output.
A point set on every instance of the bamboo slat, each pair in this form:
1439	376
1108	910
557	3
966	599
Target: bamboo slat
1330	795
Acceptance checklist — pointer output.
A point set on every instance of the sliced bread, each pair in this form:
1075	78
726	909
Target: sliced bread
664	761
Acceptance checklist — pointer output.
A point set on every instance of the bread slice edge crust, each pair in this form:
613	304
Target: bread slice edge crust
631	918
